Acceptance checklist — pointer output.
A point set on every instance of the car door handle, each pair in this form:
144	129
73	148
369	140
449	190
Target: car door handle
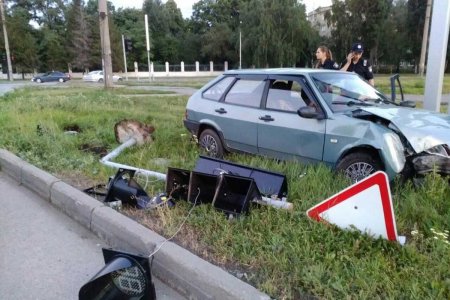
221	111
266	118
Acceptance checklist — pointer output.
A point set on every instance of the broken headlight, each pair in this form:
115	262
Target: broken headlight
395	151
443	150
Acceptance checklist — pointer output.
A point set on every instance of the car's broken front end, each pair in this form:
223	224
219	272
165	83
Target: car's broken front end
425	135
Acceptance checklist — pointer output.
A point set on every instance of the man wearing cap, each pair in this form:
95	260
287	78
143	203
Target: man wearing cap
355	63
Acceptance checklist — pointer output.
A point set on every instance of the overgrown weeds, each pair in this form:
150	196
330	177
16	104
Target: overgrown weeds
280	252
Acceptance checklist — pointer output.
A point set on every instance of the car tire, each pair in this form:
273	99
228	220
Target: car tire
120	79
210	143
61	80
38	80
100	80
358	165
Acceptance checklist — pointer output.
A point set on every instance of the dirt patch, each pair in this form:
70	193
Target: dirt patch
98	150
72	127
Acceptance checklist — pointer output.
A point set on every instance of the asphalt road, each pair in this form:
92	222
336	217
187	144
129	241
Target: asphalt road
44	254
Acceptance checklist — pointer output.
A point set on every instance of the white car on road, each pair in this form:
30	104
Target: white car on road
97	76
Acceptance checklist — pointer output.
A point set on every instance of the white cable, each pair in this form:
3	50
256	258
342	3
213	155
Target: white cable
147	181
179	228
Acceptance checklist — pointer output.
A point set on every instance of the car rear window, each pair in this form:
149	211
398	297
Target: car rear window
246	92
216	91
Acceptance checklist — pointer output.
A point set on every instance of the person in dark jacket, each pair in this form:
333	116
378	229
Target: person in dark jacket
325	59
355	63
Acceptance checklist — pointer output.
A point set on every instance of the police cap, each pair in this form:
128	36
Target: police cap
357	47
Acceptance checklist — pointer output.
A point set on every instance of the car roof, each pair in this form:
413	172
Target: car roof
279	71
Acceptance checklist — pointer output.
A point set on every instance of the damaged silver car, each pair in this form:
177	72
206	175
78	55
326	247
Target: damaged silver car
318	116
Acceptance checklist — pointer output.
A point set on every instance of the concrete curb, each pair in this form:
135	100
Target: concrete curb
190	275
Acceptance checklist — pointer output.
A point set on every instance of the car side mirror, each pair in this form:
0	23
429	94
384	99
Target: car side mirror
408	103
309	112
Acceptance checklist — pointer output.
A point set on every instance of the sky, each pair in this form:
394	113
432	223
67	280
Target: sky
186	5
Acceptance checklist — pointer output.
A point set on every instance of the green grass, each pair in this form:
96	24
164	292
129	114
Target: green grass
411	84
280	252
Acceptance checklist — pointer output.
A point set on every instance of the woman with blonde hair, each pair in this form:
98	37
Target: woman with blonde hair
325	59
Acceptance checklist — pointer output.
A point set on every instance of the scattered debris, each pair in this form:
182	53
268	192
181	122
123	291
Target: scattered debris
270	184
124	188
228	186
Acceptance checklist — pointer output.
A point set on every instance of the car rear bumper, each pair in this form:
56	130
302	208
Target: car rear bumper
192	126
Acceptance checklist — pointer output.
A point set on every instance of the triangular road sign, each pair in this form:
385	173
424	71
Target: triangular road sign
366	205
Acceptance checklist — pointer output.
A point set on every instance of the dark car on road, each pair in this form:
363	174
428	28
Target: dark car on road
51	76
317	116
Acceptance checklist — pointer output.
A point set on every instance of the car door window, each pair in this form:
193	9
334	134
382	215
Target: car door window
216	91
286	96
246	92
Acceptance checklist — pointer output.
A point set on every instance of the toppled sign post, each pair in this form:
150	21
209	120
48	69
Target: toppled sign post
365	205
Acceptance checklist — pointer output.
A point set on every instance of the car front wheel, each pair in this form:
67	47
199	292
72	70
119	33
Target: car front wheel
38	80
359	165
61	80
100	80
211	143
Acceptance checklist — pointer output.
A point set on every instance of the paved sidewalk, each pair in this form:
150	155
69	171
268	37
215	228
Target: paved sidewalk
44	254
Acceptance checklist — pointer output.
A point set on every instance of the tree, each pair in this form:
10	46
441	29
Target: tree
395	45
78	42
414	26
130	23
276	33
359	20
22	39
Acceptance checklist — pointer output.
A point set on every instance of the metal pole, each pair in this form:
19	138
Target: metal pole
240	46
124	58
148	48
436	55
106	44
426	27
5	34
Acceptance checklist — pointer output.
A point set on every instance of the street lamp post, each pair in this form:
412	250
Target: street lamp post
5	34
240	45
124	58
148	48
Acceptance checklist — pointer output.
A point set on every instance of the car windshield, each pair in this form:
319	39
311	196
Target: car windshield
342	91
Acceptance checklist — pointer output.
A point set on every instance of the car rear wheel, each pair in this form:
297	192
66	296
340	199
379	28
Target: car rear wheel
359	165
38	80
211	143
61	80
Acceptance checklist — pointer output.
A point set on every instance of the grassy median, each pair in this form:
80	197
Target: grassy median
280	252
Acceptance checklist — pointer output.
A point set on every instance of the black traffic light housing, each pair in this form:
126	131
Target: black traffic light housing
128	45
125	276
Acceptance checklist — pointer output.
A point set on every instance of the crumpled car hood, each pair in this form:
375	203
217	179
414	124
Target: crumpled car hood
423	129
